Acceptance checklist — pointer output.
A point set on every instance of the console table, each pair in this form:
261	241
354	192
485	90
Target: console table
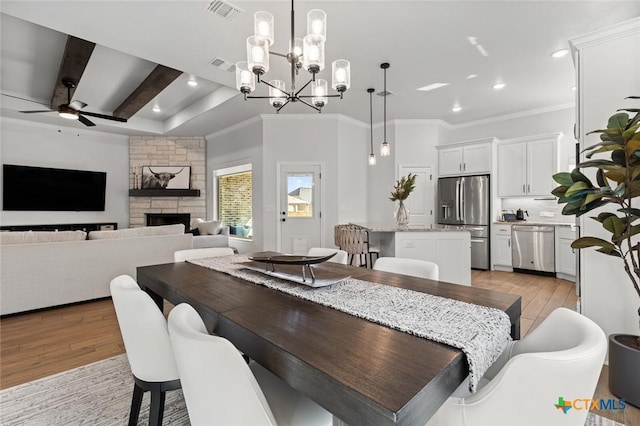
87	227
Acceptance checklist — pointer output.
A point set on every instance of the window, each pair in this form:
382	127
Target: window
300	195
234	200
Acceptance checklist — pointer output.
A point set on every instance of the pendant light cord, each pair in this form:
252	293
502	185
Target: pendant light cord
371	117
385	105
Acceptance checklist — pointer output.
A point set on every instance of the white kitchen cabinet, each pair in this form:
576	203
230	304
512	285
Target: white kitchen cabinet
465	158
526	165
501	244
451	250
565	255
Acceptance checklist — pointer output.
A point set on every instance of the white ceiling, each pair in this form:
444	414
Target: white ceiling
424	41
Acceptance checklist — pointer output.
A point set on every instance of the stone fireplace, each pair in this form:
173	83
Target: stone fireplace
167	151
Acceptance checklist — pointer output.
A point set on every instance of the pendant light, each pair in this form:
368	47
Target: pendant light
372	156
385	150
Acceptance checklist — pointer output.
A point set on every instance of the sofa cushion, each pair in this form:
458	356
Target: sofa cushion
212	227
25	237
146	231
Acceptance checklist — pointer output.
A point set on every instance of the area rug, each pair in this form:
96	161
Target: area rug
100	394
94	394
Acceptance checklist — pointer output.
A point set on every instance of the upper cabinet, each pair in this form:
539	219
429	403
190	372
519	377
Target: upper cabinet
526	165
465	158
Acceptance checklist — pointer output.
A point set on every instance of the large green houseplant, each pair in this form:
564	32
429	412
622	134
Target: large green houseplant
617	185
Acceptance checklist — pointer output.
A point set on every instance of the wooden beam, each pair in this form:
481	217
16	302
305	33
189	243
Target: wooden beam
74	61
155	83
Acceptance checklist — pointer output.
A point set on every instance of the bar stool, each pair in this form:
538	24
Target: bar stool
354	239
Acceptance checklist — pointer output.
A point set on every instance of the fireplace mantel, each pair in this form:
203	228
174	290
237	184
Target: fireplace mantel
164	193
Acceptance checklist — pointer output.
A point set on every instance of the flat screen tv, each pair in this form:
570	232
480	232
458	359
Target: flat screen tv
27	188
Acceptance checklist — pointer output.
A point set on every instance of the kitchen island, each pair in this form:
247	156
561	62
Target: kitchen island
448	246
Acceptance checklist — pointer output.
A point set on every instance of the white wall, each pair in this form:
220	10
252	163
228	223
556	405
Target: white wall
234	147
412	143
329	140
335	142
44	145
609	71
352	157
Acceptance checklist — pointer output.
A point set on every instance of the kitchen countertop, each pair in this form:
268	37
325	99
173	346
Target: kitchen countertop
533	223
392	227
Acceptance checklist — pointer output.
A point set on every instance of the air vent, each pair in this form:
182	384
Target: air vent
224	9
383	93
223	64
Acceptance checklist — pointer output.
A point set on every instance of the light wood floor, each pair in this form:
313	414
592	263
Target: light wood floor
42	343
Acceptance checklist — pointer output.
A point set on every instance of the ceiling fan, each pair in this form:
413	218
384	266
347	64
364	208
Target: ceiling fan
73	110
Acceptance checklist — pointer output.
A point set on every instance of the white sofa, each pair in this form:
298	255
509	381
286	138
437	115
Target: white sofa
36	275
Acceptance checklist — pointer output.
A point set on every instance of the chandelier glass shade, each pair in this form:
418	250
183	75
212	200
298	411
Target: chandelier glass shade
307	53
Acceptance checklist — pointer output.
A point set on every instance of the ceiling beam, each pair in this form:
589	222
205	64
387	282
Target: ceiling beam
155	83
75	59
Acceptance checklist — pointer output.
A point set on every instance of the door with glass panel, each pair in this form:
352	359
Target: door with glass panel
300	208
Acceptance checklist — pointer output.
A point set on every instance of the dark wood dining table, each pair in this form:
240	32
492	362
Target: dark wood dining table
362	372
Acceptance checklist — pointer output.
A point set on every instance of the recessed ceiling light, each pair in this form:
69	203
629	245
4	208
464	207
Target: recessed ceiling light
432	86
192	82
470	76
499	86
156	109
560	53
573	88
456	108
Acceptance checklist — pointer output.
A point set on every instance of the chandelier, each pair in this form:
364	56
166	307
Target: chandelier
307	53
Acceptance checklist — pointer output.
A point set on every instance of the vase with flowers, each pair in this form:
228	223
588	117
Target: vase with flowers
401	191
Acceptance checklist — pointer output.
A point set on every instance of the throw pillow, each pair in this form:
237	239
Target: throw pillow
212	227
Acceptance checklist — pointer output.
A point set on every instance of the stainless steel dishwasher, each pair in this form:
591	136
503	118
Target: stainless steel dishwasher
533	248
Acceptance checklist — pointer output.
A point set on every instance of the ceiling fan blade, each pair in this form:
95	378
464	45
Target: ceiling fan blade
77	105
85	121
42	110
106	117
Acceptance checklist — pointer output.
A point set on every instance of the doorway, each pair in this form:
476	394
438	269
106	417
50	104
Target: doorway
420	202
300	207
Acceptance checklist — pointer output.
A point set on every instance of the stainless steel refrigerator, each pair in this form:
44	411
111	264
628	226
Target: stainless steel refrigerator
464	201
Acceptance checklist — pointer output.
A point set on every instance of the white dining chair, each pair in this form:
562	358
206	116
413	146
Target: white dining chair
340	257
148	347
561	358
411	267
220	388
200	253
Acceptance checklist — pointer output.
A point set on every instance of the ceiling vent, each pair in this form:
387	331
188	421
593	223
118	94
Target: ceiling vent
223	64
224	9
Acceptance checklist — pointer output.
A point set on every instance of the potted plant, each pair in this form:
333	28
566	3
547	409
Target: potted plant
401	192
618	184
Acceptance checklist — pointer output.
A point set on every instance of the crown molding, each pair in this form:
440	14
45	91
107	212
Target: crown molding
603	35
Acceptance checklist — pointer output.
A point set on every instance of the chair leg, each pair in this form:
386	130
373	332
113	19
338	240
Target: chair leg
156	411
136	401
351	259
